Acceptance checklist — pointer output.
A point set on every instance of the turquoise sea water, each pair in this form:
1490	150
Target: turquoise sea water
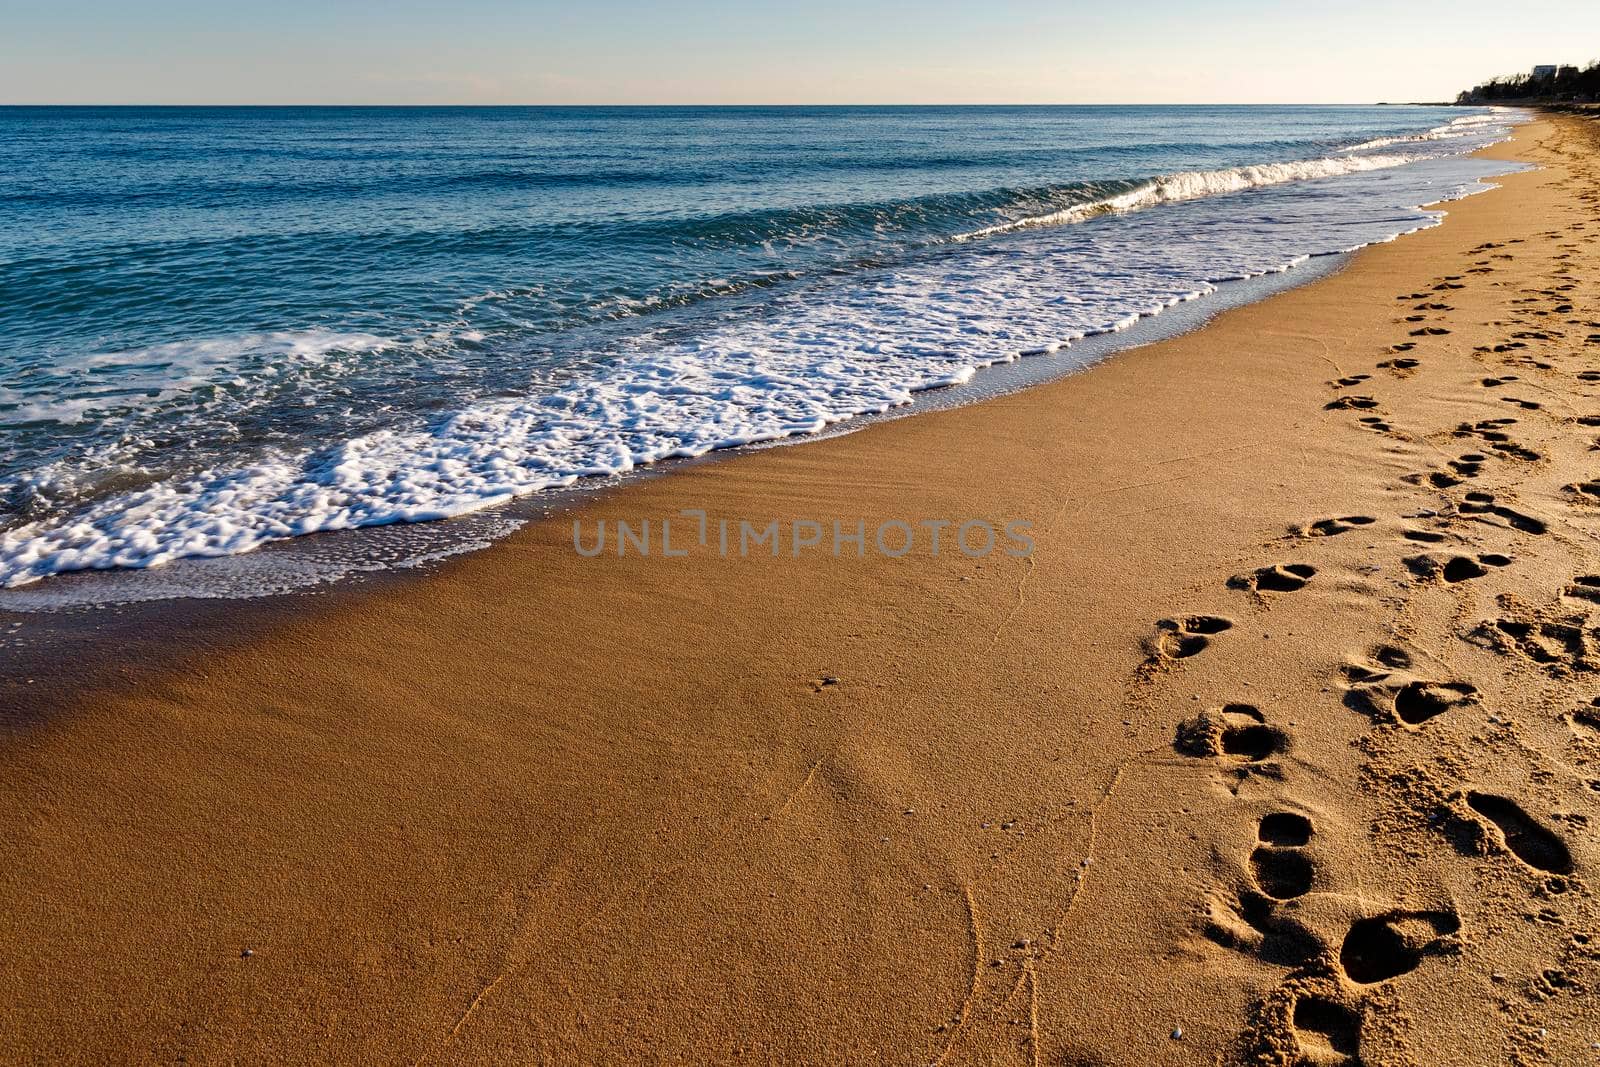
225	326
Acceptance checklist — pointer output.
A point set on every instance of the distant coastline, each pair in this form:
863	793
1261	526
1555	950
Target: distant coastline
1549	85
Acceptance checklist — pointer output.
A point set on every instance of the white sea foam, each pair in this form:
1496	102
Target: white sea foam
1464	126
795	362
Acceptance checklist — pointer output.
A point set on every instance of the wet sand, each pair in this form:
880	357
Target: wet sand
1280	746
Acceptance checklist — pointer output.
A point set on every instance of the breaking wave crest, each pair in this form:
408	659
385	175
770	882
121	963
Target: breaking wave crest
1191	185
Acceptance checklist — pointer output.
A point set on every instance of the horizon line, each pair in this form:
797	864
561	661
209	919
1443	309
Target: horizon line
1209	103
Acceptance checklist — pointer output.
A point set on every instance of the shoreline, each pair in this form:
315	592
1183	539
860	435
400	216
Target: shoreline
70	609
86	591
928	808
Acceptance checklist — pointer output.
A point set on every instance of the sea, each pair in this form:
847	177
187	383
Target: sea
223	328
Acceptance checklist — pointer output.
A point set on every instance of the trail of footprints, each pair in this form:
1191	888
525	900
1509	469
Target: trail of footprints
1318	1013
1319	1010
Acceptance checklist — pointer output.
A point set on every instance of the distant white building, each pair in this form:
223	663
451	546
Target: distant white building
1545	70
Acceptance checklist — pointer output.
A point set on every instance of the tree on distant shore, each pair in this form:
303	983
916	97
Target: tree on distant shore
1566	85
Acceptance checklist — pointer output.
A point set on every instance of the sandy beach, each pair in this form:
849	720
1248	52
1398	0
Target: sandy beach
1280	747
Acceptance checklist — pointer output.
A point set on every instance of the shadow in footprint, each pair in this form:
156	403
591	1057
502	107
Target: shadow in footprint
1417	702
1430	537
1583	587
1285	829
1253	743
1521	834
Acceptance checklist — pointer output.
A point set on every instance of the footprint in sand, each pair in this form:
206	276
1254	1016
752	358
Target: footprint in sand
1401	366
1583	587
1436	479
1559	644
1455	569
1334	526
1386	946
1481	504
1585	722
1520	834
1431	537
1469	465
1346	403
1278	578
1429	331
1187	636
1281	869
1236	733
1327	1033
1586	492
1350	380
1386	689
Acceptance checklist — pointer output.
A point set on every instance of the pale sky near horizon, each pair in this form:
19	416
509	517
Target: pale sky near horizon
821	52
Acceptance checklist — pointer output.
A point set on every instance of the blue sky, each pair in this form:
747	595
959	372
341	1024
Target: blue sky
811	51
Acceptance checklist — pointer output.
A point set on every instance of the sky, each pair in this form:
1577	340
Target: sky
761	52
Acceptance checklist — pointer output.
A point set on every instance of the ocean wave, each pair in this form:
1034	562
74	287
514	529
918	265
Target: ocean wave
1191	185
153	375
